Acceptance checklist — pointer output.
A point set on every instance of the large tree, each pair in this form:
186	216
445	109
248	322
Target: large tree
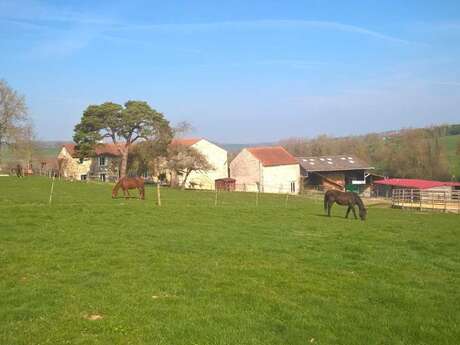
15	125
151	156
123	125
183	160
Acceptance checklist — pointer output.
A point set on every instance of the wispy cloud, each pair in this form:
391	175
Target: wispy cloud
35	16
447	83
265	25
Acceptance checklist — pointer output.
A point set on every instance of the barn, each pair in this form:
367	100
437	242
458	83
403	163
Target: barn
214	154
266	169
342	172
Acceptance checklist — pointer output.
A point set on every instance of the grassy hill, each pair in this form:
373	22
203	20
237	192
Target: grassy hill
450	143
94	270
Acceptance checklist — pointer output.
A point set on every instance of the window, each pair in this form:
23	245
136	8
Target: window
293	187
102	161
83	177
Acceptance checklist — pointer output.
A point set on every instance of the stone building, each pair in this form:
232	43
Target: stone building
103	166
266	169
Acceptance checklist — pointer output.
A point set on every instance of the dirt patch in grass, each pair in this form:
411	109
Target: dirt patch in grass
93	317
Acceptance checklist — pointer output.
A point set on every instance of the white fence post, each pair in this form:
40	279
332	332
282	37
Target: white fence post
51	192
158	194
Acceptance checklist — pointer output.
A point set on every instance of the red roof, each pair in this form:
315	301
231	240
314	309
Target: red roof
185	141
415	183
272	155
100	149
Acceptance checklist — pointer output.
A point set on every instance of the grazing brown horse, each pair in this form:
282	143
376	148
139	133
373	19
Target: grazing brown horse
349	199
126	183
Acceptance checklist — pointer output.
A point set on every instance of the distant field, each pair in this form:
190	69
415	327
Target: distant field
450	143
92	270
41	152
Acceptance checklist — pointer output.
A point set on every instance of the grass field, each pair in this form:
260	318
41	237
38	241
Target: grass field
92	270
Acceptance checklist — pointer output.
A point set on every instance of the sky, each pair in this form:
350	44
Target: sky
238	71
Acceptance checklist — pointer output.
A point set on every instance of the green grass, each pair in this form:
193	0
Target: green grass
450	144
193	273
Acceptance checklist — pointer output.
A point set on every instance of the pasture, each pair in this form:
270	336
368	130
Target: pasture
92	270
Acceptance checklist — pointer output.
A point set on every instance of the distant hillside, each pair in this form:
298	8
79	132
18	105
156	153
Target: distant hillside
451	143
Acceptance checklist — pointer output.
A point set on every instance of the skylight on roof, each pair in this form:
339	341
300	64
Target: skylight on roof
350	157
329	159
311	163
329	163
343	158
351	162
322	159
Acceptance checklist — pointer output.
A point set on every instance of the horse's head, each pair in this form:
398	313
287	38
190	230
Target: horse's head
363	213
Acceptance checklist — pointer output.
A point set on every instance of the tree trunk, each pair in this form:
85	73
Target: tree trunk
185	179
124	162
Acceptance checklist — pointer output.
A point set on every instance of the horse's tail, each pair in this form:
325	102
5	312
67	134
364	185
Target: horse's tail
116	188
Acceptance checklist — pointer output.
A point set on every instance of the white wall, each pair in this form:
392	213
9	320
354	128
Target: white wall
277	179
217	157
73	168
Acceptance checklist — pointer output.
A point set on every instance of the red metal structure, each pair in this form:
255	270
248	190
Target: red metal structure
225	184
415	183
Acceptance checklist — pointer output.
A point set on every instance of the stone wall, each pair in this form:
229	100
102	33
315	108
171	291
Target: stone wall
246	170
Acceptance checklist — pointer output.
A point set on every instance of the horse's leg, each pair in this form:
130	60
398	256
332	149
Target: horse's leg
348	211
329	206
354	211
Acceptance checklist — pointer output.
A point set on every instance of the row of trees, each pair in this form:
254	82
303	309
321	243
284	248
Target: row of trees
410	153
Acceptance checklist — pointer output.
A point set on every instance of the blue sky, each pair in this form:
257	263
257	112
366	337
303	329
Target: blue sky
241	71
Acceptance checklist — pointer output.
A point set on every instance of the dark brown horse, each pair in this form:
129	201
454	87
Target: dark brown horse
19	171
349	199
126	183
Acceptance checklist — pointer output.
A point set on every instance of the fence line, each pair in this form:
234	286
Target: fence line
430	200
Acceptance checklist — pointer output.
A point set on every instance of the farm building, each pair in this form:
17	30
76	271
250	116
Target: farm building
266	169
103	166
342	172
215	155
384	188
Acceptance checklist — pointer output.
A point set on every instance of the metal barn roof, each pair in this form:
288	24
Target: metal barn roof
333	163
